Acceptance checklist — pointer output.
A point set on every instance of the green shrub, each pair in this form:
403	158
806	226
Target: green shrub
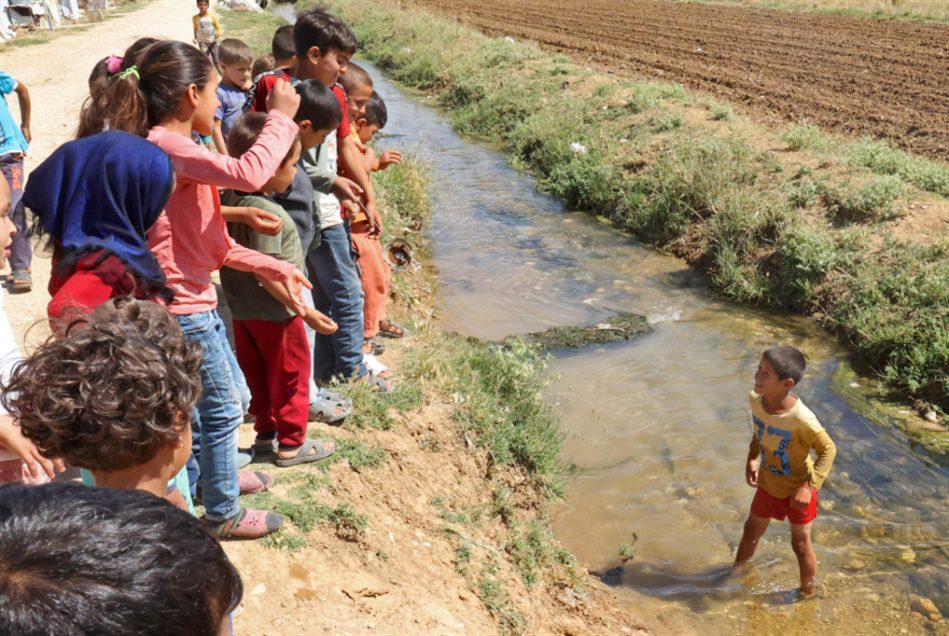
722	112
893	307
803	257
803	193
804	136
882	158
872	199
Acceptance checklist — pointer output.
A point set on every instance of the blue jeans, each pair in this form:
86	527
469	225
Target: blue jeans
337	292
217	415
21	252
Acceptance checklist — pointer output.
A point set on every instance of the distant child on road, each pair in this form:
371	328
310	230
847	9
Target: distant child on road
207	31
779	463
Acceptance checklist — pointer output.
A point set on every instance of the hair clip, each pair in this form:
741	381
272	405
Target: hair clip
132	70
113	64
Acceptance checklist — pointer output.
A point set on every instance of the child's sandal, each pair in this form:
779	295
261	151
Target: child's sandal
247	524
253	482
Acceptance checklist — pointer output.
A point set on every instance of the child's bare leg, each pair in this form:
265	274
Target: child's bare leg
806	559
754	529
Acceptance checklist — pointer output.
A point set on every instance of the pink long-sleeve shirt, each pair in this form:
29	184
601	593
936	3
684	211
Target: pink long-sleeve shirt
190	239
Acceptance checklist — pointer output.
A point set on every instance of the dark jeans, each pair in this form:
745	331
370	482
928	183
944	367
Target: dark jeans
22	252
337	292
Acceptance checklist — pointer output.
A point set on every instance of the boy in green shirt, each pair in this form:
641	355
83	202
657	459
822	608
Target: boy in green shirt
786	477
270	338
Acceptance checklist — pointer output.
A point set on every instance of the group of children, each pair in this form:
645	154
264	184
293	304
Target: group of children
136	208
139	385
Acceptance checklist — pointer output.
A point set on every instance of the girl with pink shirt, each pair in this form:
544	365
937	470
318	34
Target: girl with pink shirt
168	95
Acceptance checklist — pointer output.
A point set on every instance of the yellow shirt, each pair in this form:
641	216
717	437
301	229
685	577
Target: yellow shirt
206	27
784	442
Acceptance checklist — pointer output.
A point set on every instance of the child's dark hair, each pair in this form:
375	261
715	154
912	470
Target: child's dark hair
787	361
111	392
244	133
234	51
355	77
136	101
81	560
261	65
282	47
324	31
319	105
376	112
200	2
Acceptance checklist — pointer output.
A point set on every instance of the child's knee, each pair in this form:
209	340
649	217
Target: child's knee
801	545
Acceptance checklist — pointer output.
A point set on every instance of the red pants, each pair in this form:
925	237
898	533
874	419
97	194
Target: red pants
275	359
375	278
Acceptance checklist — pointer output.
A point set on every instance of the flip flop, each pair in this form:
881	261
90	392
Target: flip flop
21	280
246	524
375	348
325	408
389	329
253	482
378	383
304	456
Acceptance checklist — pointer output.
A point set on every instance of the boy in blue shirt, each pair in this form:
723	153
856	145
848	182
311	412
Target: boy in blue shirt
14	142
236	61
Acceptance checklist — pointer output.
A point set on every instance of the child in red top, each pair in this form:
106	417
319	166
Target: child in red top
170	94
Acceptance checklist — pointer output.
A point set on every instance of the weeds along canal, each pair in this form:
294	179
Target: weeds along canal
658	428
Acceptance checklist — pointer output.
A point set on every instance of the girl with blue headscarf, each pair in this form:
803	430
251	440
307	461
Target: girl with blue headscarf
96	198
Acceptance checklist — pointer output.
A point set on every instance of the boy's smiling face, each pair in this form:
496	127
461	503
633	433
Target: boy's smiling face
768	384
327	67
356	100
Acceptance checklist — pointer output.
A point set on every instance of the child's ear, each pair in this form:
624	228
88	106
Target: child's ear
313	54
361	122
789	383
305	124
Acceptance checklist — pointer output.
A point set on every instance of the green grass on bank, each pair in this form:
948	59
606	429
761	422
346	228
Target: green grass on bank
798	223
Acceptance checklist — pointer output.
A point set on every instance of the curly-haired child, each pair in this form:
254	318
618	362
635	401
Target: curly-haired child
114	396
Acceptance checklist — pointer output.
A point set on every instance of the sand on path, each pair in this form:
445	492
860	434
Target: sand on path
56	73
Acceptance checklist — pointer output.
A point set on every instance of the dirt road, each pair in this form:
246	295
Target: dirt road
55	73
884	78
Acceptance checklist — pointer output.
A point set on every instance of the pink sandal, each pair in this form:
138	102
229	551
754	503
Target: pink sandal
254	482
247	524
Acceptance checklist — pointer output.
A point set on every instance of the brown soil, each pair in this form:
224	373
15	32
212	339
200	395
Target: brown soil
854	75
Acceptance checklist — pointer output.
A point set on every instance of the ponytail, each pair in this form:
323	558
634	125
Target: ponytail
148	93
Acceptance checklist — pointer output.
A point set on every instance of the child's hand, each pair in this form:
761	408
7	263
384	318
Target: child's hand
263	221
346	189
375	221
390	157
26	133
751	473
320	322
12	438
802	496
284	98
294	286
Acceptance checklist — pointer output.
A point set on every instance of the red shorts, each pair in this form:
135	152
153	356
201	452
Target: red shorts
764	505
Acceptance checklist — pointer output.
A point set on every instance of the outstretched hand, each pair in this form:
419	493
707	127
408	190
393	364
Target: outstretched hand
11	437
294	285
390	157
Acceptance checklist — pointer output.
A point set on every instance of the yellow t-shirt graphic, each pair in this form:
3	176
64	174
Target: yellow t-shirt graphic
784	442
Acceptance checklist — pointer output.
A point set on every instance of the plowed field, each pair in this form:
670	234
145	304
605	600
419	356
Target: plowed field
884	78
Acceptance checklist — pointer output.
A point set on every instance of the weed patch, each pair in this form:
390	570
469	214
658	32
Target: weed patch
701	192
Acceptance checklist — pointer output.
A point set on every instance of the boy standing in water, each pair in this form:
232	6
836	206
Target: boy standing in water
784	433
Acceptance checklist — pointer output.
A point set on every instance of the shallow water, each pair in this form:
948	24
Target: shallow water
658	428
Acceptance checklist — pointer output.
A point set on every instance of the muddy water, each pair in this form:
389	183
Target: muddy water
658	428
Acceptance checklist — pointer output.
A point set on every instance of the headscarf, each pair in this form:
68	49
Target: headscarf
103	193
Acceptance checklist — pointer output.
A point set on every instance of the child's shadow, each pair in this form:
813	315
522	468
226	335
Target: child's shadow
697	589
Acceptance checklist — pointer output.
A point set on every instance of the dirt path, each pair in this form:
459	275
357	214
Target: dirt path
56	74
884	78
